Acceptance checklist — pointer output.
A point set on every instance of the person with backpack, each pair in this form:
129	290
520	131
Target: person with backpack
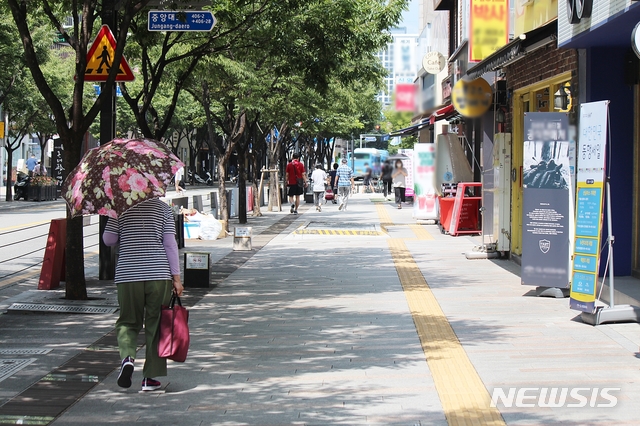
296	178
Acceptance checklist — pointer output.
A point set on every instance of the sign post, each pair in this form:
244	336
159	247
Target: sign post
593	187
545	223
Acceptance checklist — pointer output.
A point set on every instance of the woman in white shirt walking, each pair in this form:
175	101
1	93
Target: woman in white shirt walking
399	177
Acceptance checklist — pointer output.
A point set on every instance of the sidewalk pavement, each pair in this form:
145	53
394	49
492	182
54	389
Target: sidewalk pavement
397	328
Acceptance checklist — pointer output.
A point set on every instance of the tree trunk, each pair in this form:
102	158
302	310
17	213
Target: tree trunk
222	191
255	184
9	195
242	185
75	283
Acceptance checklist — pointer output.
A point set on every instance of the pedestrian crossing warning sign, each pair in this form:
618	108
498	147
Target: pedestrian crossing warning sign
100	59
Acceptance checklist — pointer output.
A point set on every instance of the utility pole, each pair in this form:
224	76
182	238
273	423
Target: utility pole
107	259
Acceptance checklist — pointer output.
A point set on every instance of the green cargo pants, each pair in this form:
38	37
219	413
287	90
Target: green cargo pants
142	300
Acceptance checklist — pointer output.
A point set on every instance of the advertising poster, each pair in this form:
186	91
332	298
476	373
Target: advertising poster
424	169
546	203
592	143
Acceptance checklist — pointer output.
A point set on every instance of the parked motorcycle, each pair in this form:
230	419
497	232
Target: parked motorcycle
21	187
195	177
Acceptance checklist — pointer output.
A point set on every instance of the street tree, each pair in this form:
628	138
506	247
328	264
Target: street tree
72	121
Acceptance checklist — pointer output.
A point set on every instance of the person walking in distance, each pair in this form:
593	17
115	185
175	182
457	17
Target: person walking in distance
296	178
319	180
387	180
179	180
367	181
31	164
333	182
147	271
345	182
399	176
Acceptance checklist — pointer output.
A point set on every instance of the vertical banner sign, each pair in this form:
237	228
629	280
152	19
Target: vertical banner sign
57	166
408	164
424	204
592	142
546	211
488	28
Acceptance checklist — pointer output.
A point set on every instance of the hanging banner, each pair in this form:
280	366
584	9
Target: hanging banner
488	28
424	169
546	200
592	142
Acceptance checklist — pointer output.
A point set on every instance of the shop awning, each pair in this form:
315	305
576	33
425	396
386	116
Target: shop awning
442	114
516	49
413	129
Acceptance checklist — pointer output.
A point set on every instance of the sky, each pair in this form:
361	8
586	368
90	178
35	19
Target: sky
411	18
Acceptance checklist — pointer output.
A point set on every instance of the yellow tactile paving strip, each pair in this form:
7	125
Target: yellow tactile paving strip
335	232
383	213
421	232
464	397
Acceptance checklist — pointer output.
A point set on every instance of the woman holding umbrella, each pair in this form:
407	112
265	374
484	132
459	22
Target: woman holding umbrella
148	268
123	180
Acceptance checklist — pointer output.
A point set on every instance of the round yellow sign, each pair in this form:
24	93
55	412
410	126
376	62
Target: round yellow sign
471	98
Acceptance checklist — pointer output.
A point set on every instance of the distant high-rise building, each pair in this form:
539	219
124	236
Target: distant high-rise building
400	61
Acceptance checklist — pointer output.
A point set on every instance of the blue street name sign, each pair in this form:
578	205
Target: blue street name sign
163	20
98	90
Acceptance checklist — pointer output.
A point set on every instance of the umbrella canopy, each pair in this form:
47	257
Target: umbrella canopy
398	157
114	177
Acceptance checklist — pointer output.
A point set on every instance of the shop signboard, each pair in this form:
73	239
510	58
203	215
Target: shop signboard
546	200
472	98
592	142
488	28
424	169
532	14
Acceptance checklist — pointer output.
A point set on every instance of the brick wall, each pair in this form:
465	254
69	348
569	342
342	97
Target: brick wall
544	63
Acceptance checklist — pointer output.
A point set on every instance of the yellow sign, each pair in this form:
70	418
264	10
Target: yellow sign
1	129
488	28
531	14
471	98
100	58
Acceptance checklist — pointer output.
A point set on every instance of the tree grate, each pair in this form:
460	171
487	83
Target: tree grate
67	309
25	351
9	367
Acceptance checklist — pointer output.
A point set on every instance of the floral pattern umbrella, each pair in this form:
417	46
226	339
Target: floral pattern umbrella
116	176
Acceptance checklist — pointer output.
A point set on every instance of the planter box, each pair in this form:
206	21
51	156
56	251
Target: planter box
42	192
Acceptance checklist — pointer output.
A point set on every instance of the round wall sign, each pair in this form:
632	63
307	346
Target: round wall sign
434	62
635	39
471	98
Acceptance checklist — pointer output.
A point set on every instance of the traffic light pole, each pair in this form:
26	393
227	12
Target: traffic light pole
107	260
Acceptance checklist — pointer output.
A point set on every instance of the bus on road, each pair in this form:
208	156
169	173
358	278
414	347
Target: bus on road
373	157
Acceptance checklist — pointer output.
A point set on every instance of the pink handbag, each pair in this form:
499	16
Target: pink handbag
173	342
